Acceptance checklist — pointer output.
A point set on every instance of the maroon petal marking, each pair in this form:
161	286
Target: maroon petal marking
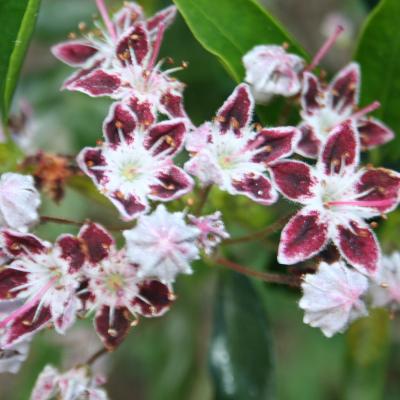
16	244
70	248
128	15
165	17
304	236
380	184
276	143
344	89
74	53
257	187
112	336
158	296
310	93
174	183
97	242
9	279
172	105
129	206
294	179
237	110
88	159
135	40
143	110
80	74
373	133
359	247
166	135
96	83
341	149
120	121
309	145
25	326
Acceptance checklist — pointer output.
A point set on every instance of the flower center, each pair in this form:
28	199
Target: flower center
115	282
129	172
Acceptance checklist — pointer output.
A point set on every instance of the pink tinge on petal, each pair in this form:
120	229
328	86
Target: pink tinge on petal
344	89
165	17
304	236
309	145
74	53
310	93
114	334
373	133
129	206
359	247
275	143
294	179
257	188
174	183
88	159
71	251
172	105
128	15
155	299
80	74
96	83
16	244
237	110
97	242
143	110
68	317
380	184
9	280
341	149
166	136
135	42
119	124
25	325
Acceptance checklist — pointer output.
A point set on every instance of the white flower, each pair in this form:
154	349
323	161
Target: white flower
332	297
162	244
19	201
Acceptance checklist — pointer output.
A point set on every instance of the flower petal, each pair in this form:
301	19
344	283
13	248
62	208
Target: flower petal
166	17
304	236
237	110
341	149
310	93
119	124
129	206
69	248
309	145
358	245
134	43
166	136
9	279
294	179
97	83
373	133
88	159
344	90
275	143
97	242
74	52
174	183
172	105
112	336
16	244
257	187
144	111
80	73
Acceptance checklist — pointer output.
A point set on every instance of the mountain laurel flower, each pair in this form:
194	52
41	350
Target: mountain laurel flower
228	152
271	70
135	164
332	297
75	384
162	244
385	290
337	199
212	230
325	108
19	201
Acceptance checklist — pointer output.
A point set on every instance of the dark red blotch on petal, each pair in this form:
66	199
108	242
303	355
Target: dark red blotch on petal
71	251
257	187
97	242
10	279
17	244
373	133
310	93
93	157
97	83
74	53
309	145
119	120
165	17
158	296
174	183
143	110
136	40
173	105
131	205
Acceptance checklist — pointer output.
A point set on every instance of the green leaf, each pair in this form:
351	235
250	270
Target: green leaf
10	156
240	352
17	21
230	28
378	53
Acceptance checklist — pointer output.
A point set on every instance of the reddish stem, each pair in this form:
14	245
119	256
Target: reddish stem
365	110
363	203
106	18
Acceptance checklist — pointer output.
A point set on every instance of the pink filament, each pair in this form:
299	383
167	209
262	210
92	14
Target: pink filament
363	203
28	305
157	46
325	48
106	18
371	107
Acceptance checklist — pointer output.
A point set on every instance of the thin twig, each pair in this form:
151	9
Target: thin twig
289	280
203	199
45	218
99	353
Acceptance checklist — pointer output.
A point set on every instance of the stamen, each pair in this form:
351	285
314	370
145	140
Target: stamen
325	48
106	18
157	46
364	203
365	110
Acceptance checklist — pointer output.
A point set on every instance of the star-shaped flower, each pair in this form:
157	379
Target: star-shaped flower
228	152
337	198
325	108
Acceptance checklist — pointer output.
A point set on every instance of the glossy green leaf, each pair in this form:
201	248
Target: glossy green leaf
378	53
17	21
230	28
240	352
